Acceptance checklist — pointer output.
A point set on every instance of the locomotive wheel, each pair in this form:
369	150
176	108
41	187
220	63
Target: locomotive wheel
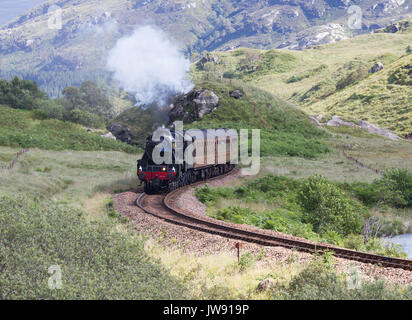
193	178
188	178
147	188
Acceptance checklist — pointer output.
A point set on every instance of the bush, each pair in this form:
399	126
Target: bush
319	281
354	76
393	189
402	76
21	94
96	262
399	184
327	208
50	109
84	118
209	196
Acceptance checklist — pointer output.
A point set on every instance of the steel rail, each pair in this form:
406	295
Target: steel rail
177	216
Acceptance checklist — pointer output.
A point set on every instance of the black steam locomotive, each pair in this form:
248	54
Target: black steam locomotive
211	155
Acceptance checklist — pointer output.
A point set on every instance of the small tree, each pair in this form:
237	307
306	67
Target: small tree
328	209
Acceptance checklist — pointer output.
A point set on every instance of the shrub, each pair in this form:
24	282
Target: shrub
354	76
327	208
21	94
319	281
393	189
399	184
84	118
402	76
209	196
96	261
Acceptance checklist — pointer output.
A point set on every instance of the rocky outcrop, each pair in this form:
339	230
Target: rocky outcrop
193	105
315	121
378	66
328	33
109	135
397	26
377	130
265	285
336	121
209	57
121	132
237	94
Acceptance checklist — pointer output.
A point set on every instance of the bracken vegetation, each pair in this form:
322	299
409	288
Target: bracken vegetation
320	281
313	208
96	262
24	129
285	130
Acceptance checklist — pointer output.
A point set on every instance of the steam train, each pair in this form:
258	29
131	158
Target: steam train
210	156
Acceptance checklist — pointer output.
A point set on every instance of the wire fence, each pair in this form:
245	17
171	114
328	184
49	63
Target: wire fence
15	160
358	163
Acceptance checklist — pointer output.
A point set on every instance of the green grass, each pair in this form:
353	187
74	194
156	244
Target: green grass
46	217
69	176
313	208
332	79
21	129
285	130
96	262
319	281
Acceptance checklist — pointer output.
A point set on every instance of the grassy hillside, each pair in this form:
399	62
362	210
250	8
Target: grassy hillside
285	130
26	129
330	79
384	98
77	52
45	221
72	191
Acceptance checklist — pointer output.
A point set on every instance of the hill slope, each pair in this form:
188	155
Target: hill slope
285	130
320	80
58	58
27	129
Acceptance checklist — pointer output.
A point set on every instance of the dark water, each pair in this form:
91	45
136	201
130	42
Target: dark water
10	9
405	240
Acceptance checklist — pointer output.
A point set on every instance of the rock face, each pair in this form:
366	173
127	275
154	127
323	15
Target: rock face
265	285
328	33
193	105
237	94
108	135
378	66
209	58
336	121
121	133
376	130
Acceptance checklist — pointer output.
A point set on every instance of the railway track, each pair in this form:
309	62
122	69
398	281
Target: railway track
162	207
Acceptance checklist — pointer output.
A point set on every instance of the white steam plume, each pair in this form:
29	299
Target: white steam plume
149	65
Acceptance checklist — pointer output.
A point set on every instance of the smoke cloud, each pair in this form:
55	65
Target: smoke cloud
150	66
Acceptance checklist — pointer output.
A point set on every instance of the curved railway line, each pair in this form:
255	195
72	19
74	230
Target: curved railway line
162	207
